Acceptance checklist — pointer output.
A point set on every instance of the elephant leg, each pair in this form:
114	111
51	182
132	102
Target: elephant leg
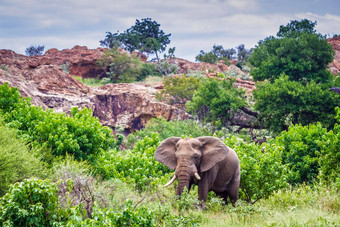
203	190
233	189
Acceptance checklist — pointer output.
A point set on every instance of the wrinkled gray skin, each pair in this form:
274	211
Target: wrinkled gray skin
216	164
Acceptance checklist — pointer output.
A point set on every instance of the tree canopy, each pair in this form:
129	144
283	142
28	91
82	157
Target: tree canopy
145	36
297	51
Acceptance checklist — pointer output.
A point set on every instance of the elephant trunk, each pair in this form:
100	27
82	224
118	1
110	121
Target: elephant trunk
183	176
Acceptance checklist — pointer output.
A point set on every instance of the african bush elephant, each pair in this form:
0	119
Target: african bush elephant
205	161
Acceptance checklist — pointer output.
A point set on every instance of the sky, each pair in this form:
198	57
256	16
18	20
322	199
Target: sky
194	24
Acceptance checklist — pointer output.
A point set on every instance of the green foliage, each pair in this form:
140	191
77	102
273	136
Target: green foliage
286	102
166	129
216	101
329	158
121	67
148	69
262	170
137	166
129	216
63	134
9	98
165	68
301	151
32	202
178	89
17	162
298	52
34	50
295	28
144	36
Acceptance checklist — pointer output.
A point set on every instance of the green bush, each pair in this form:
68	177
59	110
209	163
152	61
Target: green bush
216	101
32	202
166	129
17	162
80	134
166	68
121	67
137	166
329	158
178	89
301	151
148	69
284	102
262	171
129	216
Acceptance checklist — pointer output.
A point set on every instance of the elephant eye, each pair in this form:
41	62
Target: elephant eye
195	156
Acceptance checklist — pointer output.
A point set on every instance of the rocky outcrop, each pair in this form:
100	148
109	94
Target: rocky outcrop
131	106
334	67
42	78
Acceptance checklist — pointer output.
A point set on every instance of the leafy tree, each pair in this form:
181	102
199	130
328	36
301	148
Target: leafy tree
329	157
297	52
302	149
145	36
178	89
216	101
284	102
121	67
34	50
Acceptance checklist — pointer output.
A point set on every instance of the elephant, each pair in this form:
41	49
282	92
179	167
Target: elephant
205	161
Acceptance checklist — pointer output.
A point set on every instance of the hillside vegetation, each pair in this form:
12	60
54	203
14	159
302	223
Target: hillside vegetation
70	170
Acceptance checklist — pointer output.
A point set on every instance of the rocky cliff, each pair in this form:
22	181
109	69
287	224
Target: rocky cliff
43	79
334	67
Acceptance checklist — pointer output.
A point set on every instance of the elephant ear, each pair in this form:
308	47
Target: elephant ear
213	151
165	152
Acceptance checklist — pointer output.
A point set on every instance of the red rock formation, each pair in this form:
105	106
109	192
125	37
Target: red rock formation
49	86
334	67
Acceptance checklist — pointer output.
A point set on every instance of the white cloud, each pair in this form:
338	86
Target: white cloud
194	24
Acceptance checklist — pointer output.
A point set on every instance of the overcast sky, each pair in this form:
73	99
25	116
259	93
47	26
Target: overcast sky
194	24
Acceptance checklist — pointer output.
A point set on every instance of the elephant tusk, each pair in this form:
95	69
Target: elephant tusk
197	176
170	182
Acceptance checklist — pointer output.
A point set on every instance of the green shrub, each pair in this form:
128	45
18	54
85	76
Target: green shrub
137	166
129	216
284	102
80	134
166	68
17	162
32	202
166	129
148	69
178	89
121	67
301	151
329	158
216	101
262	171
